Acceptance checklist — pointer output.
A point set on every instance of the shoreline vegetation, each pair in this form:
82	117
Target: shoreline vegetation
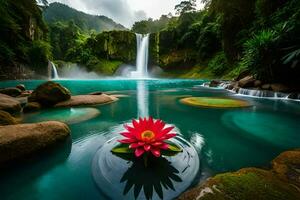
223	40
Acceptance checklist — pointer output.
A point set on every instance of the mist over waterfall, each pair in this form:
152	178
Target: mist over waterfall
142	56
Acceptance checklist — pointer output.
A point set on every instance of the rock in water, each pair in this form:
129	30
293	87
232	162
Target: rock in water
6	118
280	183
17	141
21	87
13	92
84	100
9	104
32	107
246	82
49	94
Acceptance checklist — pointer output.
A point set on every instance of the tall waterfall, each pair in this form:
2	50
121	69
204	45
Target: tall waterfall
52	71
142	42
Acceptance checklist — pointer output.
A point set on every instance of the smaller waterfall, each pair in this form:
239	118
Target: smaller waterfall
52	71
142	56
262	93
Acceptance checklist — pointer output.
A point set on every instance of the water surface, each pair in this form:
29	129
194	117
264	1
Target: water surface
225	139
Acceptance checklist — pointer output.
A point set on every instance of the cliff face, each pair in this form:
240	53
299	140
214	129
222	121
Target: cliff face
165	53
22	44
116	45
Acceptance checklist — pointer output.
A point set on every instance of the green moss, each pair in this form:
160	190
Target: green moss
214	102
249	184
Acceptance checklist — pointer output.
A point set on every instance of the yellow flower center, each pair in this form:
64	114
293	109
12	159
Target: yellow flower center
147	135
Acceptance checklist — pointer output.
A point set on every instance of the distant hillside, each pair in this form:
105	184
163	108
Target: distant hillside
61	12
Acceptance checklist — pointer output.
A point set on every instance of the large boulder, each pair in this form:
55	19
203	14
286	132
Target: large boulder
6	119
17	141
9	104
287	166
247	82
282	182
49	94
245	184
32	107
13	92
85	100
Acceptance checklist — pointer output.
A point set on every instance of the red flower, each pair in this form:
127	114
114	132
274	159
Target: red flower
147	135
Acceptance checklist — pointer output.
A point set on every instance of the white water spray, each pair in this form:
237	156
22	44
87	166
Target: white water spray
52	71
142	56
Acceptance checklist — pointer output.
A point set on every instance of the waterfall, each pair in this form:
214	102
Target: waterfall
52	71
142	42
262	93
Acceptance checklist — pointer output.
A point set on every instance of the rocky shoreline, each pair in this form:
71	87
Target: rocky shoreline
19	140
280	182
252	87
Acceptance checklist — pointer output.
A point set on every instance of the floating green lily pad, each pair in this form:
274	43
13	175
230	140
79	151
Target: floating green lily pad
124	149
215	102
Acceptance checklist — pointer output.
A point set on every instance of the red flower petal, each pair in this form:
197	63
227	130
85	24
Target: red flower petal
129	128
139	151
164	132
147	147
134	146
128	135
127	141
155	152
164	146
157	143
168	136
141	143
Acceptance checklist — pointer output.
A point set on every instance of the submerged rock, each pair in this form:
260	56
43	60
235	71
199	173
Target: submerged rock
82	100
32	107
13	92
20	140
9	104
6	118
215	102
279	183
49	94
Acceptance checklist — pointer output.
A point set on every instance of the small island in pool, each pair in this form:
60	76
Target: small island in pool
109	101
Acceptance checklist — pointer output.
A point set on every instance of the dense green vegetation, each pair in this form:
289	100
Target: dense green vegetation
23	35
225	39
259	37
57	12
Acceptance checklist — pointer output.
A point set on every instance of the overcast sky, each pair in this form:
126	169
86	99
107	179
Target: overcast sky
125	12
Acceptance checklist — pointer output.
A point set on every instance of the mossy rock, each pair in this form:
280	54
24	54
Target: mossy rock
6	119
215	102
246	184
49	94
287	166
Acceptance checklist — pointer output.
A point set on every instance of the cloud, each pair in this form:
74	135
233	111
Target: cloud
119	10
125	12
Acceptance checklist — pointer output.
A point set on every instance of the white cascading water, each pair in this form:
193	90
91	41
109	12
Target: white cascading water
53	74
142	42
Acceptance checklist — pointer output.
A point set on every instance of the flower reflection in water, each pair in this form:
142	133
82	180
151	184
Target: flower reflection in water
157	175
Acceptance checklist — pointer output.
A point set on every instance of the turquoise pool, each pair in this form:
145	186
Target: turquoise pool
225	139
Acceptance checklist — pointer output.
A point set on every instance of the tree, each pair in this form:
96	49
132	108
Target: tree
185	6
